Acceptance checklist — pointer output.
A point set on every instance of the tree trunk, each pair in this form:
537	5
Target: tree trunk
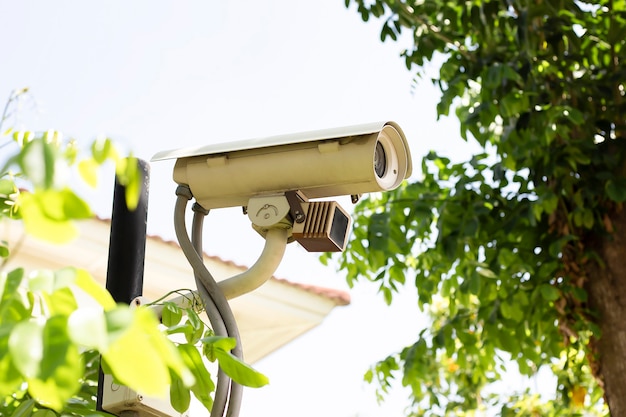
606	287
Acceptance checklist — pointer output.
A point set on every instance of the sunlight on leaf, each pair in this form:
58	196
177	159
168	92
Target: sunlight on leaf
61	367
86	282
129	175
141	356
40	222
26	347
88	170
87	327
11	378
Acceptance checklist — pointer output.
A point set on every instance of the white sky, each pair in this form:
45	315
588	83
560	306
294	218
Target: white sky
158	75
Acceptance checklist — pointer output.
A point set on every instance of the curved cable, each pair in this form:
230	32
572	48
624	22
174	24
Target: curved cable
223	380
214	295
208	290
209	305
262	270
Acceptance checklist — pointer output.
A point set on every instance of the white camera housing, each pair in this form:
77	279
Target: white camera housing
343	161
117	399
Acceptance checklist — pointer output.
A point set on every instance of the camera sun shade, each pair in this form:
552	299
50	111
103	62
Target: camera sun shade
333	162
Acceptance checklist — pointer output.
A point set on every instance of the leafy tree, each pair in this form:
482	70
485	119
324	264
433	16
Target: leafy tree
50	347
518	254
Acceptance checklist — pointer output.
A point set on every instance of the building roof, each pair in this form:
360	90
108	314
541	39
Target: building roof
339	297
269	317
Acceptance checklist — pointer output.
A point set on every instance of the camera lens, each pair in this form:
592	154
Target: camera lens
380	160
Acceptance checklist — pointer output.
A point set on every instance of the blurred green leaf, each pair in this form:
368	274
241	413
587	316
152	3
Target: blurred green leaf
48	214
26	347
38	162
88	170
11	378
88	328
9	284
25	409
8	194
136	356
102	149
616	190
549	293
44	413
61	367
129	175
88	284
487	273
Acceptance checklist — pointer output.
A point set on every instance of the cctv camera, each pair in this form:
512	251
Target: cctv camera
343	161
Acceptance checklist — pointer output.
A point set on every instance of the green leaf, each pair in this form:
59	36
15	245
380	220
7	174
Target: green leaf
171	314
8	194
61	302
211	343
194	334
88	328
129	175
580	294
549	292
218	347
220	342
86	282
61	367
24	409
9	283
88	170
474	285
512	311
508	342
26	347
55	289
102	149
616	190
74	207
487	273
203	385
378	232
239	371
11	378
44	413
4	249
64	278
180	396
194	319
41	280
38	161
43	217
549	202
136	354
588	219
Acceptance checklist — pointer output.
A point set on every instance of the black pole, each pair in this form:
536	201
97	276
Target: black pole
127	247
127	244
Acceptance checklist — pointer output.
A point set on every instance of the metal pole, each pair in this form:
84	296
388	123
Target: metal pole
127	247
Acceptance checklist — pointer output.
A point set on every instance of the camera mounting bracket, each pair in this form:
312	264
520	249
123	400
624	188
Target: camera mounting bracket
295	198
